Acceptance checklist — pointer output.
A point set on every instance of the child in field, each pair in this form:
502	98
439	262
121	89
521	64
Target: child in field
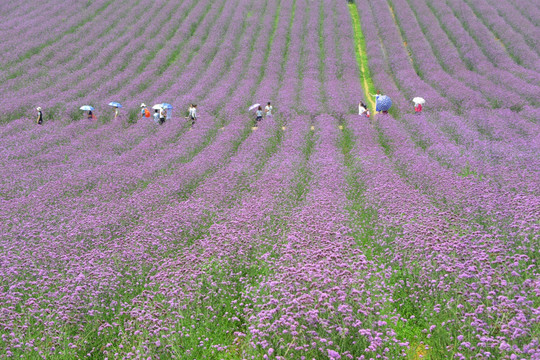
40	116
418	108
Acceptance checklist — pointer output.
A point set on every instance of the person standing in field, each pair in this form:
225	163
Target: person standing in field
192	113
156	116
90	115
259	114
418	108
268	109
144	111
376	98
162	116
39	119
362	109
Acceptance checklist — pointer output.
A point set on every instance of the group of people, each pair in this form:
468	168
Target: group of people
259	113
161	114
364	111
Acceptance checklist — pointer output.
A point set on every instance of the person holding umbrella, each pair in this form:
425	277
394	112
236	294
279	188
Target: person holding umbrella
384	103
116	107
377	95
168	111
39	120
259	114
418	102
89	109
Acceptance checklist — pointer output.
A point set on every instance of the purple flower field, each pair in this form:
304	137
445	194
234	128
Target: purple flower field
318	234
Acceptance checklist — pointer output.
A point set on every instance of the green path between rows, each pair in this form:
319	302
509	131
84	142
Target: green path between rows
361	57
364	216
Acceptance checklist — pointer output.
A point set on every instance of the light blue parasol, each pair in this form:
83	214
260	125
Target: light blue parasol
384	103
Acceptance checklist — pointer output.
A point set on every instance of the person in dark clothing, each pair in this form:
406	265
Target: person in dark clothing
90	115
40	116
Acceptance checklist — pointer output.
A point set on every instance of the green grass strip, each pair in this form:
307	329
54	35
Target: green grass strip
361	56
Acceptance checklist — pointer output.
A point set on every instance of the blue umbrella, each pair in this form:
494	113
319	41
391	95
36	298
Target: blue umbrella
86	108
384	103
166	106
115	104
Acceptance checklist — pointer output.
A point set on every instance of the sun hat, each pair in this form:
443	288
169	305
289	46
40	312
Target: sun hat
38	108
143	105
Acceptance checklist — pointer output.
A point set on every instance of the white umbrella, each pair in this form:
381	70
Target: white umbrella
419	100
115	104
254	106
157	107
86	108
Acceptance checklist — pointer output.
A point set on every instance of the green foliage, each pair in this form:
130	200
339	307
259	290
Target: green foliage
75	114
14	115
133	115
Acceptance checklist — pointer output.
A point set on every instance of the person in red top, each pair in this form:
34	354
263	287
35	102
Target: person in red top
418	108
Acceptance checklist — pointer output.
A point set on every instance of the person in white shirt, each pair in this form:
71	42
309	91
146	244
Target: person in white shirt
268	109
362	108
259	114
156	116
192	113
162	116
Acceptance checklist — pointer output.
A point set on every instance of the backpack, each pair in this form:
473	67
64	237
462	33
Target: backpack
146	113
